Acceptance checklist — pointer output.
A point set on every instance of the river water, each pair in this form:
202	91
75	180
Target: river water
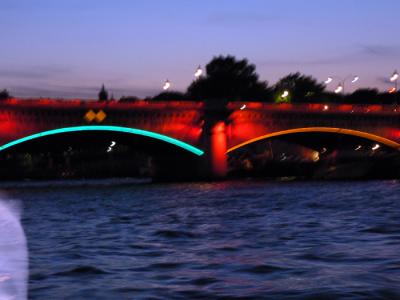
118	239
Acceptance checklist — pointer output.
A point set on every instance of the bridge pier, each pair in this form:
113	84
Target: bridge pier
219	165
213	164
215	144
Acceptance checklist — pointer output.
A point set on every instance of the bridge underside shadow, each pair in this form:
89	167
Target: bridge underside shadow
98	154
327	154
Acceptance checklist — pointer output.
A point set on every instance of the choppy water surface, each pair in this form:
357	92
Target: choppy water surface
233	240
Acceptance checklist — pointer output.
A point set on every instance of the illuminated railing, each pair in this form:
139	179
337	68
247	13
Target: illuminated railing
198	105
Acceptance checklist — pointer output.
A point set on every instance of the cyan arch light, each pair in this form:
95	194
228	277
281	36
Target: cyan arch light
141	132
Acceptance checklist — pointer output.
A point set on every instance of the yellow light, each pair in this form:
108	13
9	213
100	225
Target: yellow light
89	116
100	116
315	156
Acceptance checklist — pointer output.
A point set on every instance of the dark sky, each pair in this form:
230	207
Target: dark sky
68	48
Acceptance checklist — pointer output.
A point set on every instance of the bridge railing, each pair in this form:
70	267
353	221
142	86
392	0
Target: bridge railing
73	103
149	104
316	107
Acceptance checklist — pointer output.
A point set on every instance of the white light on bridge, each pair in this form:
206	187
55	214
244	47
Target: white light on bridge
329	80
285	94
243	107
167	85
376	147
326	107
111	146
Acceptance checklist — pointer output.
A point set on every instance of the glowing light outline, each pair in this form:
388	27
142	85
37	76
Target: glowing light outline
361	134
141	132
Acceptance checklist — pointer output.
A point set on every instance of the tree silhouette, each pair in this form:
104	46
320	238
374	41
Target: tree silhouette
229	79
4	94
103	94
301	88
128	99
170	96
365	95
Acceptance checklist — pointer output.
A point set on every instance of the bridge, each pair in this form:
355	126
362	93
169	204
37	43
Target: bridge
209	131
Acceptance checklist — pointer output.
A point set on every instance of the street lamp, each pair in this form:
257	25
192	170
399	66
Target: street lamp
394	78
167	85
340	87
198	72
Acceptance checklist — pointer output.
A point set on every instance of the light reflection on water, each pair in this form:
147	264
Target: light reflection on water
253	239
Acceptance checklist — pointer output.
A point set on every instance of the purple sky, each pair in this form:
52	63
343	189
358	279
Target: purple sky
68	48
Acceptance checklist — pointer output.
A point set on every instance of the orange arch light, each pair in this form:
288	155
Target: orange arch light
357	133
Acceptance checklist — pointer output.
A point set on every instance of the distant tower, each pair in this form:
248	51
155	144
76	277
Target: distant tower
103	94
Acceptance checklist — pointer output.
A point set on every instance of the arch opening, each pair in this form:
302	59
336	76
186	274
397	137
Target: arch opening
316	152
98	152
350	132
134	131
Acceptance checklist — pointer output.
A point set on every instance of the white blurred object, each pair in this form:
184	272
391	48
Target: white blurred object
13	253
339	89
167	85
394	76
285	94
198	72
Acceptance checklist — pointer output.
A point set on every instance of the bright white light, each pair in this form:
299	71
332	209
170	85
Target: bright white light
323	150
109	149
326	107
243	107
329	80
358	147
285	94
198	72
376	147
166	85
339	89
394	77
355	79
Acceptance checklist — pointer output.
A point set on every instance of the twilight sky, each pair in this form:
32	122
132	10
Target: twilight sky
68	48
